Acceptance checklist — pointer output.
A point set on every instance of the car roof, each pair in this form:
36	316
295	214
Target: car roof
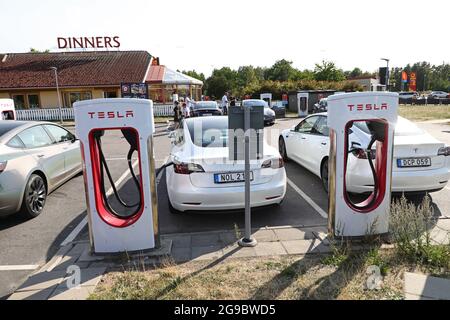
12	127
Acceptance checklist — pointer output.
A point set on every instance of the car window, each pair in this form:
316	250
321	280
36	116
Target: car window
35	137
60	134
15	143
321	127
306	125
209	133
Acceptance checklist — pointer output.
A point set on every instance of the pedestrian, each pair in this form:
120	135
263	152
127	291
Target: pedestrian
190	103
185	110
224	103
176	112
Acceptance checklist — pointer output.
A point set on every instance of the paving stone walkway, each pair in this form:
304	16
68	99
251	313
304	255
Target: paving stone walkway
73	272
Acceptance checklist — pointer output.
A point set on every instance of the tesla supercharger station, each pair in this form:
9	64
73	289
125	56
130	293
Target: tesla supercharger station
267	97
117	225
302	103
376	113
7	109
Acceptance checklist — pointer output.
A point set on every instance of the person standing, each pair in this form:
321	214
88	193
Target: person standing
189	104
224	103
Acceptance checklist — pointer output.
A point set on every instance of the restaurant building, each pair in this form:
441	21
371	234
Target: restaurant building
30	79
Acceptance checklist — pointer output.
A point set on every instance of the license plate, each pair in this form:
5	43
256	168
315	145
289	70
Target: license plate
414	162
207	114
231	177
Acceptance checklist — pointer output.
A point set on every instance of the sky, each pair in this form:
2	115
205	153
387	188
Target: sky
203	35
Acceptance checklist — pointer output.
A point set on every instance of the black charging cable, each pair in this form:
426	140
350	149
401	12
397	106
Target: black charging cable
104	168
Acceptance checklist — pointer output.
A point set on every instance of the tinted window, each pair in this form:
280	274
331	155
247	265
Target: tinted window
6	126
15	143
35	137
306	125
205	105
209	133
59	133
321	127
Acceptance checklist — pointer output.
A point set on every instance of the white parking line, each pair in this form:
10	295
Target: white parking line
19	267
308	199
72	235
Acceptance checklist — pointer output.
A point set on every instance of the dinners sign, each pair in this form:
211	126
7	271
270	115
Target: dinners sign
88	42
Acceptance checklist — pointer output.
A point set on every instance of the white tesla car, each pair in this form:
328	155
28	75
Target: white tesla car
202	177
421	162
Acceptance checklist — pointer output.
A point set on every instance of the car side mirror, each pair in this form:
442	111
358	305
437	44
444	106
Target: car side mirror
74	139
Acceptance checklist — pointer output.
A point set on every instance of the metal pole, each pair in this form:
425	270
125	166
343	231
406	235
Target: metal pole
387	74
59	96
247	241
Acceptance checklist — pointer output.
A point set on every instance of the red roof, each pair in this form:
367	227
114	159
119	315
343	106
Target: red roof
155	74
87	68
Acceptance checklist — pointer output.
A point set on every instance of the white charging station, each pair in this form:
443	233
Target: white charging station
135	226
267	97
7	109
302	104
348	217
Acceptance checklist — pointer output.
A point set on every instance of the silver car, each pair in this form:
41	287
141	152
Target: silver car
35	158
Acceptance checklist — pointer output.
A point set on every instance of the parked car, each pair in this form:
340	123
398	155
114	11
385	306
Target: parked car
206	108
35	158
408	95
321	106
308	144
202	177
269	115
438	94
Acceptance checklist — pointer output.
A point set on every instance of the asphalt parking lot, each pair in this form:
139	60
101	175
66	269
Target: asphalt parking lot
25	245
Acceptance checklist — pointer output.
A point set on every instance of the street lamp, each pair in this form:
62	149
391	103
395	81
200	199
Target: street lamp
57	92
387	73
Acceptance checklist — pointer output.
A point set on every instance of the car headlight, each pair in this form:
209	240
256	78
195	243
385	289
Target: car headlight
444	151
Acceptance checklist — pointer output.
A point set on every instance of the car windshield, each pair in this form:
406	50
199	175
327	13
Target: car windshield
205	105
6	126
209	132
403	128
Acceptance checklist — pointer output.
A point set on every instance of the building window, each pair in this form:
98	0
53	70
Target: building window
110	94
71	97
26	101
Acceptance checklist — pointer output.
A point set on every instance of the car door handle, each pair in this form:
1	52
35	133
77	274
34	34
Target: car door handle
40	155
324	143
303	138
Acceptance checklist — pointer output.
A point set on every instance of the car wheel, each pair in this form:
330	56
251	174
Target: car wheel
34	197
171	208
324	175
282	149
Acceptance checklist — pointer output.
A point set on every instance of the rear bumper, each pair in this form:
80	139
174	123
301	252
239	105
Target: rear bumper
185	197
10	201
411	181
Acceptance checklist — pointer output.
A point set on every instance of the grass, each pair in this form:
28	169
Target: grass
282	277
423	113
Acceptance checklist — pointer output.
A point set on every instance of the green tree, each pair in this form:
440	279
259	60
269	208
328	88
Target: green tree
194	74
327	71
220	81
33	50
282	70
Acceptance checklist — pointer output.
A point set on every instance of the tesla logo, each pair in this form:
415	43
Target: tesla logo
111	114
367	107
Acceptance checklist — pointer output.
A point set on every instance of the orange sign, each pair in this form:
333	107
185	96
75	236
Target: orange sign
412	82
404	76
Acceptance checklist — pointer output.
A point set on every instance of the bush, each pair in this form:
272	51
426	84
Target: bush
410	228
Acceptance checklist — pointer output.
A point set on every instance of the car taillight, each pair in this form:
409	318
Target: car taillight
362	154
3	165
444	151
187	168
273	163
